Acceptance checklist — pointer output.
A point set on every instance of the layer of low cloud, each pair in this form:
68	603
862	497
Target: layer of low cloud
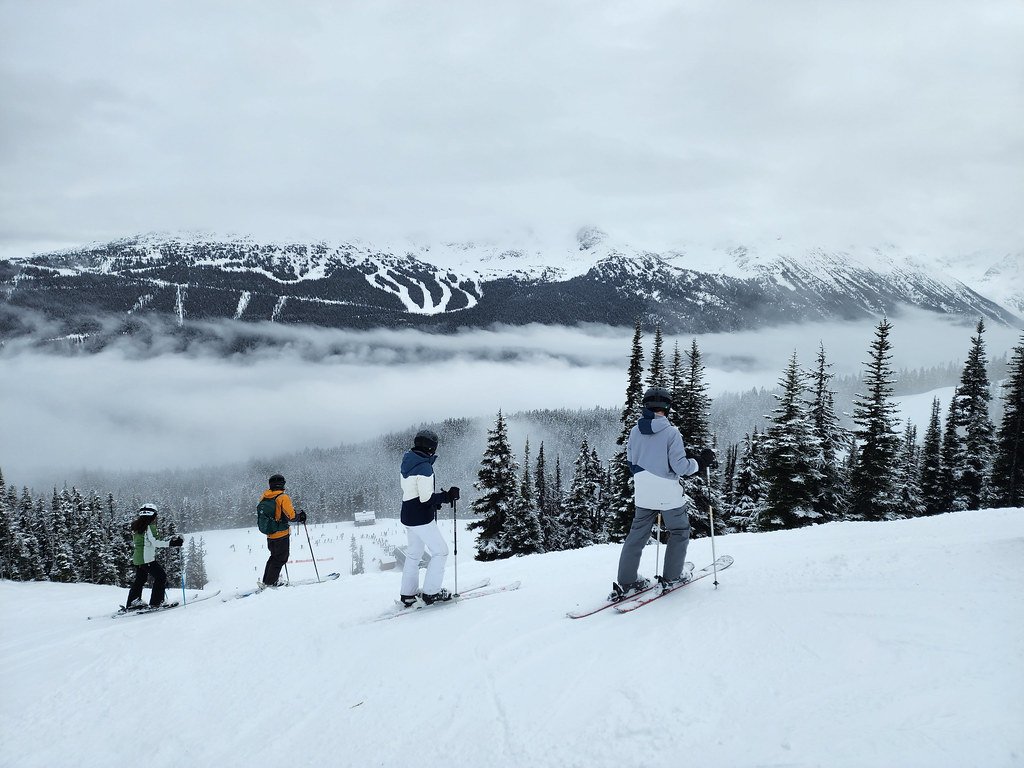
836	122
121	410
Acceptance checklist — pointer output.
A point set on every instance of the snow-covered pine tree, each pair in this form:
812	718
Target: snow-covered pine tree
978	430
792	458
693	418
34	527
908	475
203	578
873	493
555	534
602	516
930	465
497	483
750	487
621	506
522	534
676	378
829	494
1008	462
656	371
952	459
63	567
549	504
582	505
729	476
170	557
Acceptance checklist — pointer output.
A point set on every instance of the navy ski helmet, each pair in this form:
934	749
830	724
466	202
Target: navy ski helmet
276	482
425	440
147	510
658	399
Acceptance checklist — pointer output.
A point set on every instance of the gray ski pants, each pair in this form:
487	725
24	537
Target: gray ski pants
676	522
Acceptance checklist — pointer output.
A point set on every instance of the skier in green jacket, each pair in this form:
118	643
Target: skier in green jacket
144	559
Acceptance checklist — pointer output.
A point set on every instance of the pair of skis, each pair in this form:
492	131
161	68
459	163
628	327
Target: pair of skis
653	592
296	583
478	589
153	609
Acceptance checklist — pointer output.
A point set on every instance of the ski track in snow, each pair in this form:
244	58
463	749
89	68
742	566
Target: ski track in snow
844	645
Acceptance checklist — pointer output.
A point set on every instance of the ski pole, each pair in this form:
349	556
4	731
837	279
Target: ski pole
657	546
181	563
311	553
711	516
455	538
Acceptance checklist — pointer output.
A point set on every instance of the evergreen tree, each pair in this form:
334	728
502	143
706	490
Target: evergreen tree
930	478
583	503
601	523
873	493
978	431
751	488
522	534
829	493
555	532
170	557
63	566
1008	462
908	476
549	504
656	372
676	379
792	464
33	526
621	506
952	459
497	484
692	418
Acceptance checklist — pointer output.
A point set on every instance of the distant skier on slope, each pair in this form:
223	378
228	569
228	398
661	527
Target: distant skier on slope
274	512
419	516
144	559
657	459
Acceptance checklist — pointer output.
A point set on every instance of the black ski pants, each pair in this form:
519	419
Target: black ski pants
278	557
142	574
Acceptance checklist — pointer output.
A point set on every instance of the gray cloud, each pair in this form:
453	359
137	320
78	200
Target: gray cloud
835	123
318	388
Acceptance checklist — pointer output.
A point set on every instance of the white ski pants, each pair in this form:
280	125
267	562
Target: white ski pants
424	537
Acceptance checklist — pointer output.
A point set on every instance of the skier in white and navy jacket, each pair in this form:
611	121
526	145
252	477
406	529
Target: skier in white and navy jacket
420	503
658	459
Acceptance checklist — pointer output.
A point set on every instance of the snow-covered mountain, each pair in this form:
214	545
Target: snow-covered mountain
357	284
848	645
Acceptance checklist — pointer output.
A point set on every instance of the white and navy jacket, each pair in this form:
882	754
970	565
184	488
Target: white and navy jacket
419	501
657	458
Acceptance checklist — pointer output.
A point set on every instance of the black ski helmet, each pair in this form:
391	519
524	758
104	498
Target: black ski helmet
425	440
658	399
276	482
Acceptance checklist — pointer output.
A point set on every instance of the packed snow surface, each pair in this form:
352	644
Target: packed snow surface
848	644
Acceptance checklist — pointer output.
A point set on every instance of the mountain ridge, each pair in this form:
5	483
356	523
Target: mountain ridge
361	285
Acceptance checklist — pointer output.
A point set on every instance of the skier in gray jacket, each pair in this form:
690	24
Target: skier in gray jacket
658	459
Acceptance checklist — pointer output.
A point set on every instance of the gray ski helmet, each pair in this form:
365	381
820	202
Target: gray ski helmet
276	482
147	510
658	399
425	440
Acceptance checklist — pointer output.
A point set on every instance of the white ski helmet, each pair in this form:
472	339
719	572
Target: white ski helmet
147	510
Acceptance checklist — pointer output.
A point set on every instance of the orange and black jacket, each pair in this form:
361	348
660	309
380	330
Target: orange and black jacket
284	510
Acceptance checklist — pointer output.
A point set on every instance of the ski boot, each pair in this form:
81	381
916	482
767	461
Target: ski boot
621	592
441	596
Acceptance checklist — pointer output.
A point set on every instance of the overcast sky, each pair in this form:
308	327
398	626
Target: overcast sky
855	122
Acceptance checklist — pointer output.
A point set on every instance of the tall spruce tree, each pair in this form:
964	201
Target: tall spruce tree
952	459
829	493
1008	463
497	483
693	415
908	475
583	502
522	534
978	430
656	371
873	493
792	458
751	487
930	478
621	506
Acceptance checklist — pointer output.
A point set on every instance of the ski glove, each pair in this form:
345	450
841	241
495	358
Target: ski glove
453	493
176	541
705	458
301	517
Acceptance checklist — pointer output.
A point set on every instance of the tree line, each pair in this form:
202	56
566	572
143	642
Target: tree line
800	468
82	538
